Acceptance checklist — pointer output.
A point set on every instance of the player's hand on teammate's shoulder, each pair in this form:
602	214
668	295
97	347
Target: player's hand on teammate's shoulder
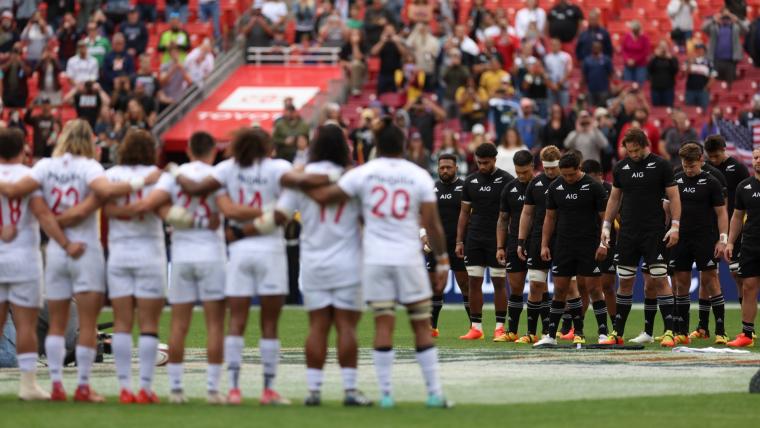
8	233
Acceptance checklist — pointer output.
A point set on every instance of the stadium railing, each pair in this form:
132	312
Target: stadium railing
286	55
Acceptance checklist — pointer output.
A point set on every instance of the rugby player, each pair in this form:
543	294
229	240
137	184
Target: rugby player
639	182
477	220
575	205
507	227
529	243
704	222
747	204
70	182
21	260
395	195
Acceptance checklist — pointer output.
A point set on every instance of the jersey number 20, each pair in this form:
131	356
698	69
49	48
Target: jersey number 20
395	204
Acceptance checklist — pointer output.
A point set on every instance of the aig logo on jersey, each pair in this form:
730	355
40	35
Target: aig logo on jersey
639	174
485	189
690	190
446	196
571	196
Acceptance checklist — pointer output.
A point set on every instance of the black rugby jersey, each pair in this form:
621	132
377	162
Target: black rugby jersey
577	207
449	203
699	197
643	186
483	193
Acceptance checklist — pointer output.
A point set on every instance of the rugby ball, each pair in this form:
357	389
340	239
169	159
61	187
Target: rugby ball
162	357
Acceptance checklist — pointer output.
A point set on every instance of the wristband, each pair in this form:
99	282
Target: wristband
724	238
607	225
333	176
675	222
137	183
423	233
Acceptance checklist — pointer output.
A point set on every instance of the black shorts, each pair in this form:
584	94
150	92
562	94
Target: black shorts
695	248
632	246
481	253
514	264
749	261
608	265
534	255
577	260
455	263
734	265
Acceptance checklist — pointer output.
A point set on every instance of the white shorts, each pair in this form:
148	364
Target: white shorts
402	284
65	276
193	282
27	294
145	282
347	298
257	274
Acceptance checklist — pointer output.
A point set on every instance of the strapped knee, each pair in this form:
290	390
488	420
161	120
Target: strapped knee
658	270
419	311
497	272
383	308
626	272
536	275
477	271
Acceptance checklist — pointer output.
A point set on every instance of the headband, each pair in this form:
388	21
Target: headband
550	164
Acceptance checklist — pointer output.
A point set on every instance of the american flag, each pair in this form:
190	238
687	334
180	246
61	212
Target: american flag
740	139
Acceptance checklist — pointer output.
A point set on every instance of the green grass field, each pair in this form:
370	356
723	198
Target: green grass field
490	382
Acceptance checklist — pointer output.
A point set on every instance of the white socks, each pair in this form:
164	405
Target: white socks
174	370
147	350
121	346
270	356
349	378
55	349
27	362
314	379
233	356
213	373
85	359
428	361
383	364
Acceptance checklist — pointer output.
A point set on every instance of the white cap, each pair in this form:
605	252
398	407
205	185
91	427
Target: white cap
478	129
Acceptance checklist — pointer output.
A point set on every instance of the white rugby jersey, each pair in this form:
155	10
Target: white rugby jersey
20	259
65	182
330	236
194	245
391	192
256	186
136	239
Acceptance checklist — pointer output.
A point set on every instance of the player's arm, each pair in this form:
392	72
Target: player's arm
20	188
546	233
464	220
722	213
105	189
610	213
671	192
327	195
302	180
237	212
123	212
196	188
431	221
502	225
80	212
734	230
49	224
155	201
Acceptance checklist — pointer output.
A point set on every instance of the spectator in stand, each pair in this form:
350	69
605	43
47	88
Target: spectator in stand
135	32
564	20
199	63
450	145
68	37
353	60
97	45
88	100
83	67
529	126
594	32
674	137
699	77
503	109
535	86
475	19
15	74
121	94
354	21
597	72
209	11
146	78
557	128
56	10
173	77
135	116
681	20
624	106
636	50
510	144
45	128
488	28
25	9
559	67
255	27
147	9
711	126
179	8
116	10
391	50
530	13
148	103
36	36
724	47
472	101
453	76
606	124
286	129
117	63
737	7
587	138
325	9
276	12
174	36
662	70
506	45
305	16
751	116
48	81
86	10
641	121
363	138
752	42
333	33
8	34
425	47
417	153
376	21
424	114
491	79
